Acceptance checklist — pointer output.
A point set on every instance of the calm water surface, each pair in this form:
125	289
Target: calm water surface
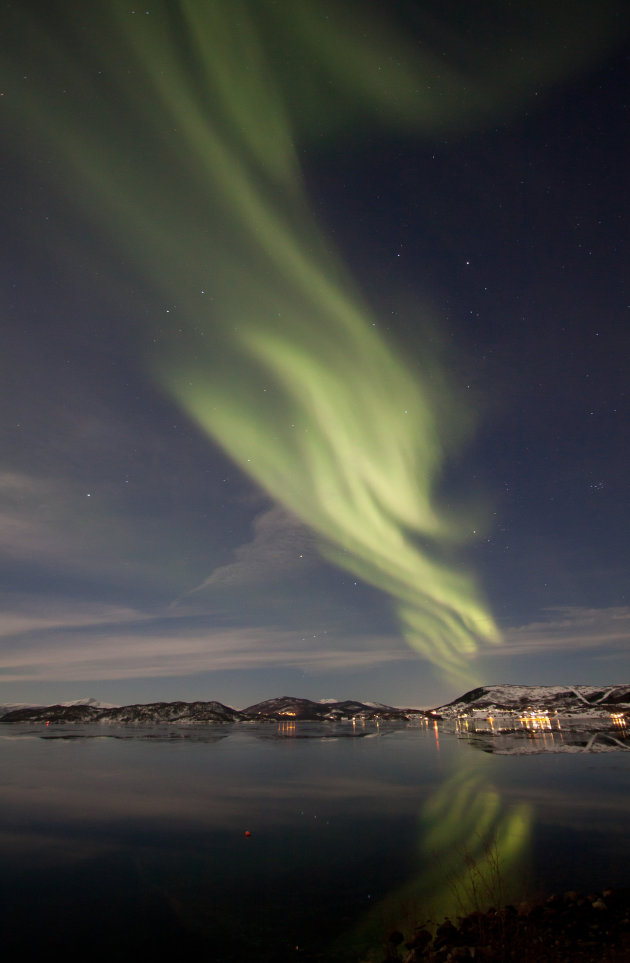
119	843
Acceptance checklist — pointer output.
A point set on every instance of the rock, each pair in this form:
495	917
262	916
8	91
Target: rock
420	939
459	953
526	908
572	896
445	934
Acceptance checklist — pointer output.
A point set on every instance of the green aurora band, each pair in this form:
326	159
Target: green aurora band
472	853
176	130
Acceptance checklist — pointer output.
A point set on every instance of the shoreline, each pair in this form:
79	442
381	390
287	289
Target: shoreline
568	927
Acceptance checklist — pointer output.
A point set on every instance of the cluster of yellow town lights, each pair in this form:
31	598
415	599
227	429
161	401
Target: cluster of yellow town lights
533	720
537	720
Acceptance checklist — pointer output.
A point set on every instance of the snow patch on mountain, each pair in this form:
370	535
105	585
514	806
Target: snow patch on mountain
571	699
91	701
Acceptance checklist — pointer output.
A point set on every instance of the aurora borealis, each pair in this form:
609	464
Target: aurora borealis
254	442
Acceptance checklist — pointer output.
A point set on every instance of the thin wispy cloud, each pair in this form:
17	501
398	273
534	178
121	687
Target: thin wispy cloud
24	615
281	547
569	629
105	643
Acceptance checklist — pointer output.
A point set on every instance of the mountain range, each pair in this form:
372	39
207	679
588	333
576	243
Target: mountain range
565	700
283	709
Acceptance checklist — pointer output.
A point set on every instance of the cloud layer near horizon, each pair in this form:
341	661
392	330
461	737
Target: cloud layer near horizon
44	641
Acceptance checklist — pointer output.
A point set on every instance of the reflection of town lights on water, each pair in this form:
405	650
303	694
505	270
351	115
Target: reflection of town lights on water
287	728
497	722
618	719
536	721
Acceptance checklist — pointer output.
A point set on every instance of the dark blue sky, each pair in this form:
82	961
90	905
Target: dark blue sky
139	561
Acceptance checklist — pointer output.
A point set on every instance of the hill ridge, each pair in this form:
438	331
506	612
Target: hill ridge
507	697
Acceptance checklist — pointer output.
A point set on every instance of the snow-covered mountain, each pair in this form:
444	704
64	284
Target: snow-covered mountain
283	708
564	699
90	701
149	714
290	707
181	712
87	701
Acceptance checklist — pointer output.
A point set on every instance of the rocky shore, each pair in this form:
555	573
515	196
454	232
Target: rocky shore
564	928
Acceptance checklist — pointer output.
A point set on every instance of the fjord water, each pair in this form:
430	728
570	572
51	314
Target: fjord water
123	842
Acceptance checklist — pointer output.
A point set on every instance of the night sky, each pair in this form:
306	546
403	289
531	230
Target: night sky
316	327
